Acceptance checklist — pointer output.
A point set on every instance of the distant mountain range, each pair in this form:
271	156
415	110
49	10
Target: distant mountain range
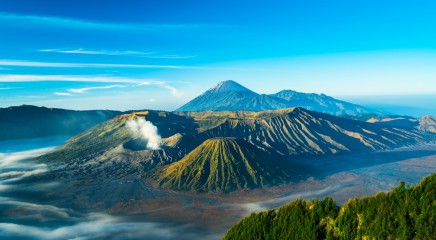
230	95
28	121
221	151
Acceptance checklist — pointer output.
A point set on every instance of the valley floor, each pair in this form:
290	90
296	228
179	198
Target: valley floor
43	210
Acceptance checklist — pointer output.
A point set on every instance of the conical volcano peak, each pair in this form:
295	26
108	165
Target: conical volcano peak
226	95
230	86
223	164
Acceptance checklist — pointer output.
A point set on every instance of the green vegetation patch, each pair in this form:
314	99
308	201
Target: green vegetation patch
403	213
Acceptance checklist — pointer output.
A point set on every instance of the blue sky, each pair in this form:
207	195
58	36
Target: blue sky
159	54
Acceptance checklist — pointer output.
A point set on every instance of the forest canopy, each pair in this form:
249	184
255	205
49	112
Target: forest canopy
406	212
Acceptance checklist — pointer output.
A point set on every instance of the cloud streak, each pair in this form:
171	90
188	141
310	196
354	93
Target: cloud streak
84	90
174	91
22	63
131	82
117	53
96	52
62	94
13	168
99	226
9	158
73	78
49	21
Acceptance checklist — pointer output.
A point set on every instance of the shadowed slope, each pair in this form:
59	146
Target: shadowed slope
298	131
222	164
26	121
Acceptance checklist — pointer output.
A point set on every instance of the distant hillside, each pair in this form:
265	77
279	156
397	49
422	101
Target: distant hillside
32	122
229	95
113	140
237	141
223	164
403	213
297	131
320	103
425	124
287	132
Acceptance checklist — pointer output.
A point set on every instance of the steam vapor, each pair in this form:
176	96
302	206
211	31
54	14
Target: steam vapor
145	130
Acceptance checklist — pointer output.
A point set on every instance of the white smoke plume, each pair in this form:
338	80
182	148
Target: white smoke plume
145	130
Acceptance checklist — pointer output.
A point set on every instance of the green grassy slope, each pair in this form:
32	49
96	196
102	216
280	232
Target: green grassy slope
93	142
222	164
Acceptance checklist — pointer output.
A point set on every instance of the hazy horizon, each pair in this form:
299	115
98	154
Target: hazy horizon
406	105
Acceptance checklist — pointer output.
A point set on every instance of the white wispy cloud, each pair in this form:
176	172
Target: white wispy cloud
49	21
72	78
84	90
172	56
62	94
12	159
143	83
131	82
22	63
174	91
94	225
96	52
146	54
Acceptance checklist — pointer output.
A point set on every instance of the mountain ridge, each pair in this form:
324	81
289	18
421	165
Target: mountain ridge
297	131
230	95
283	135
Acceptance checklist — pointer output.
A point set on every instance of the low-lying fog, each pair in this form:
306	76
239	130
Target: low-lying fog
24	216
